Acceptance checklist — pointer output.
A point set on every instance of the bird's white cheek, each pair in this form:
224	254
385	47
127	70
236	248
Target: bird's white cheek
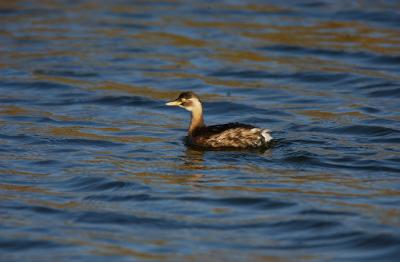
189	108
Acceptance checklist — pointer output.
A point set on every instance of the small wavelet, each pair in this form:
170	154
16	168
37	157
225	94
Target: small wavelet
395	92
231	107
65	73
257	203
321	212
26	244
85	142
303	224
121	219
97	184
47	162
122	100
307	77
362	130
122	198
38	85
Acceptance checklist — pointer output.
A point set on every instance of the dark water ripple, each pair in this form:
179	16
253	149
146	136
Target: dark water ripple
21	245
93	165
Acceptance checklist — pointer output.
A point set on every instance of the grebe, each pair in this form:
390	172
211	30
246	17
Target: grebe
226	136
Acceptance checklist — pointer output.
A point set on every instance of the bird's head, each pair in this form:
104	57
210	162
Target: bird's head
186	100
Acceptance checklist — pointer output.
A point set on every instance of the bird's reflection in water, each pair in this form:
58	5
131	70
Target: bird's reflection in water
193	160
197	164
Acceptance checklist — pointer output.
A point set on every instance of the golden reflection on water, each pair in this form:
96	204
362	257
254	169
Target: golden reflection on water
22	188
363	37
81	83
343	117
137	90
102	249
13	110
160	38
76	132
146	91
207	80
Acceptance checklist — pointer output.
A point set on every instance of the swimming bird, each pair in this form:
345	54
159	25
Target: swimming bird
225	136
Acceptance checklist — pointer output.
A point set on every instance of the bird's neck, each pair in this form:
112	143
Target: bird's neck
197	120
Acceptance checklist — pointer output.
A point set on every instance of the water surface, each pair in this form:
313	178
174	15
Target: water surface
93	166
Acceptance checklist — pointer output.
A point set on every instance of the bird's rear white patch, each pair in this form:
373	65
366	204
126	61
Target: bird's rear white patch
266	135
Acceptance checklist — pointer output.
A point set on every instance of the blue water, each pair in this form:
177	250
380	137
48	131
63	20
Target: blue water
93	166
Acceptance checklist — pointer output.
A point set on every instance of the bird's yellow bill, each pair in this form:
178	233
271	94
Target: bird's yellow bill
173	103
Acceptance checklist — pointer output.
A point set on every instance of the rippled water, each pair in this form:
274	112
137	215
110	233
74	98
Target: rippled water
93	165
